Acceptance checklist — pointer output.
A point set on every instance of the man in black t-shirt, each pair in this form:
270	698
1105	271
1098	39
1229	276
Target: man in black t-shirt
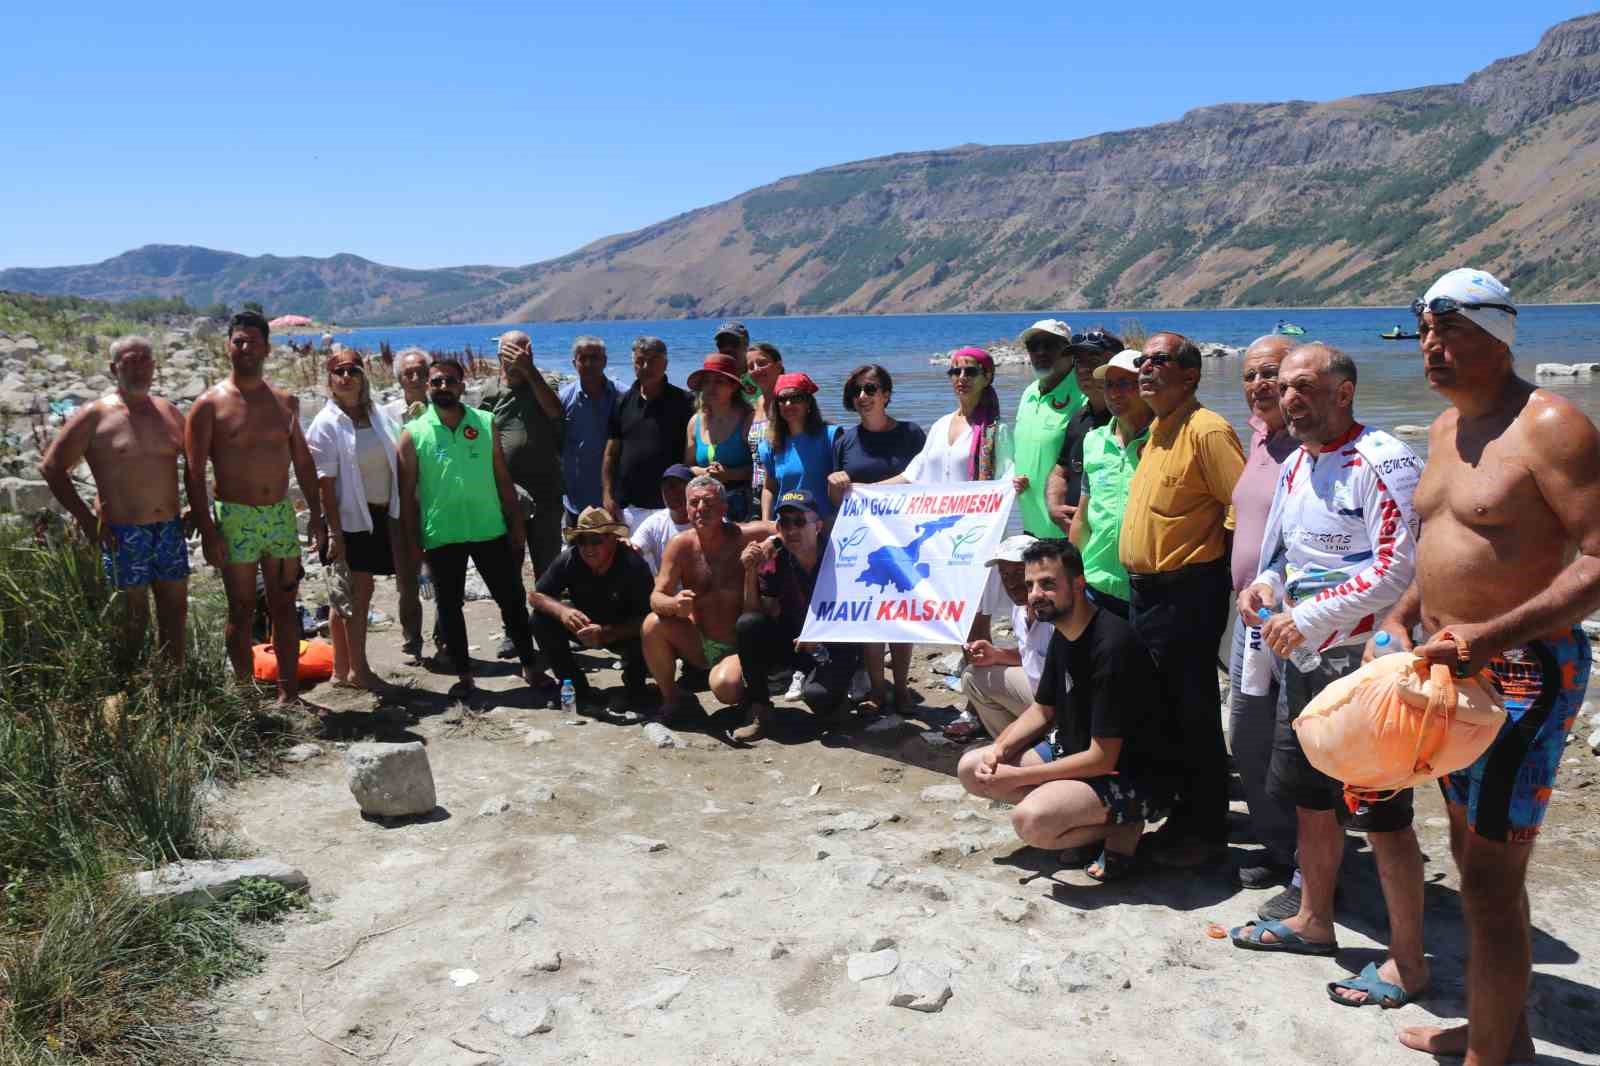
1090	351
1103	771
608	585
648	427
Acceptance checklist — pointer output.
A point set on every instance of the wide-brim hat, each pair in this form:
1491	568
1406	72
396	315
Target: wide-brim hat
716	365
595	520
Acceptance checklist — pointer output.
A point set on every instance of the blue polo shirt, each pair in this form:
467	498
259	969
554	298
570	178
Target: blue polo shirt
584	449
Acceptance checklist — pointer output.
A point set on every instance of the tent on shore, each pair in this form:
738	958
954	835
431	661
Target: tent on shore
283	321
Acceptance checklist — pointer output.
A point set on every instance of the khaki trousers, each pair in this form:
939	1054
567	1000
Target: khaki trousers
998	693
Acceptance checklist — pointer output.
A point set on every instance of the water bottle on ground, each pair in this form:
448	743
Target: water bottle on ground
1305	658
569	698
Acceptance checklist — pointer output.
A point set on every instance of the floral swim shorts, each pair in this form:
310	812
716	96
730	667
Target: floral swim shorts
1507	791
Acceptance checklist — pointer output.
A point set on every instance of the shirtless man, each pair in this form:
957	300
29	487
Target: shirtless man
1507	566
131	441
250	432
699	592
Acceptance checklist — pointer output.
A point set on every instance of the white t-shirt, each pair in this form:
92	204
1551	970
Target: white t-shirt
652	535
941	462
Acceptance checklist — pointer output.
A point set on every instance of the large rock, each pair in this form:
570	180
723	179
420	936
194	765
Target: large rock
209	880
921	988
520	1016
391	780
22	496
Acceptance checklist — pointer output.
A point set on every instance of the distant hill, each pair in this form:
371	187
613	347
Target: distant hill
1361	200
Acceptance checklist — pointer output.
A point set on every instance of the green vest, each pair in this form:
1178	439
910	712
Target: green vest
1039	429
456	490
1107	469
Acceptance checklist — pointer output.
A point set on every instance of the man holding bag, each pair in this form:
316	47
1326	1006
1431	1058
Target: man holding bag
1337	552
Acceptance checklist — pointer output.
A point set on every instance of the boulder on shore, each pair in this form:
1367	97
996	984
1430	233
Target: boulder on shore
391	780
212	880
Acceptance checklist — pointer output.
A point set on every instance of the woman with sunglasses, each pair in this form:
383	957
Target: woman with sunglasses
763	365
352	442
970	443
718	442
865	454
798	451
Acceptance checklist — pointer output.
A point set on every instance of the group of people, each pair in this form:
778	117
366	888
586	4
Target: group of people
695	523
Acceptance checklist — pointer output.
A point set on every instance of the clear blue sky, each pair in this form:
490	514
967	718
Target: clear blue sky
508	133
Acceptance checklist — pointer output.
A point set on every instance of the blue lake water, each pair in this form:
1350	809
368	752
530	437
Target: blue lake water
1391	389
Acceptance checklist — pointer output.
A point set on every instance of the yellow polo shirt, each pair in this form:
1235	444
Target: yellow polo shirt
1180	498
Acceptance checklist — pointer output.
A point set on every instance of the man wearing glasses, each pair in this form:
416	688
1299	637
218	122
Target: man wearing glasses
1047	406
457	501
1090	351
1508	564
645	436
411	367
1174	546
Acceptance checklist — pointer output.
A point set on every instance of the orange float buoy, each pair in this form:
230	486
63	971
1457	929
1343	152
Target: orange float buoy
316	661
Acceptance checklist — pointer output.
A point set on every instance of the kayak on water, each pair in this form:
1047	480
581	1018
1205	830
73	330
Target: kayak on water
1289	329
1397	334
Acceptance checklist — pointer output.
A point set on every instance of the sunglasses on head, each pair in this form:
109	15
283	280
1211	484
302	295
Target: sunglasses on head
439	381
1097	340
965	371
1265	373
348	370
1158	359
793	521
1444	305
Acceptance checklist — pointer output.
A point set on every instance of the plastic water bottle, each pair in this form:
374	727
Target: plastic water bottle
1383	644
569	698
1305	658
424	583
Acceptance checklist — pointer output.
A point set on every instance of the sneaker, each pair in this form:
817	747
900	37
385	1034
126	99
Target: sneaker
797	685
1264	875
412	649
1285	904
506	650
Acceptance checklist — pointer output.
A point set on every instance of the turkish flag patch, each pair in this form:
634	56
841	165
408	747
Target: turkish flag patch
470	433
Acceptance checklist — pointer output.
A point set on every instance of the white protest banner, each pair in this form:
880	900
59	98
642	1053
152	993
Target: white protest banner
905	563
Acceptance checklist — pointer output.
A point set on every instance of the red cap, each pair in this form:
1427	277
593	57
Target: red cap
794	383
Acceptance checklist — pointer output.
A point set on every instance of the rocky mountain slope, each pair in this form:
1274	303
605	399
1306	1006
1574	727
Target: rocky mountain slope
1360	200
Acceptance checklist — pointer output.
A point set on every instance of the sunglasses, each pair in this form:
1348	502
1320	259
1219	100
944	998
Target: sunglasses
1096	340
349	370
441	382
1266	373
415	372
1158	359
795	521
1444	305
801	398
869	389
965	371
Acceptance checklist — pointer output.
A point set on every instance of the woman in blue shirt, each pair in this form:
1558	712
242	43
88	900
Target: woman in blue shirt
798	451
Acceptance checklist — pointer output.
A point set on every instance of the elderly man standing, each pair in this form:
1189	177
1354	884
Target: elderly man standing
586	405
645	436
1090	351
1507	567
411	367
1047	406
1251	719
1338	549
249	431
1175	551
528	422
132	440
1110	456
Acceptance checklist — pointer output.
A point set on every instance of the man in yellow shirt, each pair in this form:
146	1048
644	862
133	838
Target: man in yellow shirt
1175	546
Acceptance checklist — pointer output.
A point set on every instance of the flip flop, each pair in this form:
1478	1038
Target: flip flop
963	729
1289	942
1114	866
1380	993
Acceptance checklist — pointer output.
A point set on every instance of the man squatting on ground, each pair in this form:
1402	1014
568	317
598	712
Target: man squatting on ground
999	681
132	440
249	431
1507	567
1104	769
458	502
1342	500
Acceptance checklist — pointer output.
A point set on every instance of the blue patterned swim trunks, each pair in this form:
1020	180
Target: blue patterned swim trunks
152	552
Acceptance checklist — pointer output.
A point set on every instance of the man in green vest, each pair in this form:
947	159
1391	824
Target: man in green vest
458	502
1044	411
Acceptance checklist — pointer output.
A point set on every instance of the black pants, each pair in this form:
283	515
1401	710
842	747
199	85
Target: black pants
501	570
766	645
1180	615
556	643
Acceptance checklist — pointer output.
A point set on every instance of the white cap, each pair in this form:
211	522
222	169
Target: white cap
1123	360
1053	326
1010	550
1466	285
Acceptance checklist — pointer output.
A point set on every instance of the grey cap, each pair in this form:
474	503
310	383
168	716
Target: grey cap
735	329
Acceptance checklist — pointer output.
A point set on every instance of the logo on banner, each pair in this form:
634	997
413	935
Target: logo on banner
898	565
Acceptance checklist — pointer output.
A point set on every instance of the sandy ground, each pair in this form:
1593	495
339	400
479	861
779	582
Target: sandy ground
700	904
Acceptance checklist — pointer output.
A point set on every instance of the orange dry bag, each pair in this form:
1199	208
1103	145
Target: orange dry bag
1396	723
316	661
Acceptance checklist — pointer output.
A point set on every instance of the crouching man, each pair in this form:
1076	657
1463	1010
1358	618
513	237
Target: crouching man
1086	761
609	586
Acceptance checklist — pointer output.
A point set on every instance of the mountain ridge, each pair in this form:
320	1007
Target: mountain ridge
1360	200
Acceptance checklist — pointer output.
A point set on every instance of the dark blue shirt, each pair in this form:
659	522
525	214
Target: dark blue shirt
585	445
870	457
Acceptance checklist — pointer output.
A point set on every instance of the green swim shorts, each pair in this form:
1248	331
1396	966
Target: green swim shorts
715	650
253	533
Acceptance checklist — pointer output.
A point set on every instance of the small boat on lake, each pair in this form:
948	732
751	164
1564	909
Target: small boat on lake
1398	334
1288	329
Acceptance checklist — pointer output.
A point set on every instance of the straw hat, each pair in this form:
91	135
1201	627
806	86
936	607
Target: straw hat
595	520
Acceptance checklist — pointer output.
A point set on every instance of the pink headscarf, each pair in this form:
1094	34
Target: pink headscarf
988	410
